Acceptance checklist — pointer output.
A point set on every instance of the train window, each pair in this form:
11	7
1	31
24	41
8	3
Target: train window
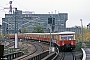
40	36
70	37
58	37
54	36
48	36
63	37
43	36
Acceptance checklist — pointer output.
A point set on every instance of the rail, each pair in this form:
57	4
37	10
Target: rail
37	56
43	56
68	56
52	56
37	50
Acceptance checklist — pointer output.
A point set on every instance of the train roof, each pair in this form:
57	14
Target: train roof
66	32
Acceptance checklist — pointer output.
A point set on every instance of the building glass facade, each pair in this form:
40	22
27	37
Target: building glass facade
29	21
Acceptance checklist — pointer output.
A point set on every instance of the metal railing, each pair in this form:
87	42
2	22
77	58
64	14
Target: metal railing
13	55
37	56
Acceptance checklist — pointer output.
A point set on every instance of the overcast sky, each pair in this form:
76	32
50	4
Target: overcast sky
76	9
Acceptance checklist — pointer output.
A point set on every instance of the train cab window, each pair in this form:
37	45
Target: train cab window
70	37
63	37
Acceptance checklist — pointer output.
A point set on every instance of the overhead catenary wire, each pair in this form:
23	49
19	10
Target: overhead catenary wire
20	4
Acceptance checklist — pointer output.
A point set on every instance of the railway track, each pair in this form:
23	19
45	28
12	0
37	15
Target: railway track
38	48
11	43
44	44
7	43
66	56
69	56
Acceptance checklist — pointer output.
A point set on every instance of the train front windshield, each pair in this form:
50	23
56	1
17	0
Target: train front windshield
67	37
70	37
64	38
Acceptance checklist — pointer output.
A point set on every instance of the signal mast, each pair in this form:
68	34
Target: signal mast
10	7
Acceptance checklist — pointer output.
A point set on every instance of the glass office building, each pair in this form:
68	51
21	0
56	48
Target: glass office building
29	21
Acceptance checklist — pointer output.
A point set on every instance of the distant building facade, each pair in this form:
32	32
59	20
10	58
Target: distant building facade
29	21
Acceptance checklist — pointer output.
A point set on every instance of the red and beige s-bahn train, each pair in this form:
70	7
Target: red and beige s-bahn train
64	40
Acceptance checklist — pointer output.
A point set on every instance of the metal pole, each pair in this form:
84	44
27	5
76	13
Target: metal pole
81	31
52	25
51	35
50	40
15	20
16	36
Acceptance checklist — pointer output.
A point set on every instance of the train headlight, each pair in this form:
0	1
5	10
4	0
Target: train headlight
71	42
62	42
25	37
